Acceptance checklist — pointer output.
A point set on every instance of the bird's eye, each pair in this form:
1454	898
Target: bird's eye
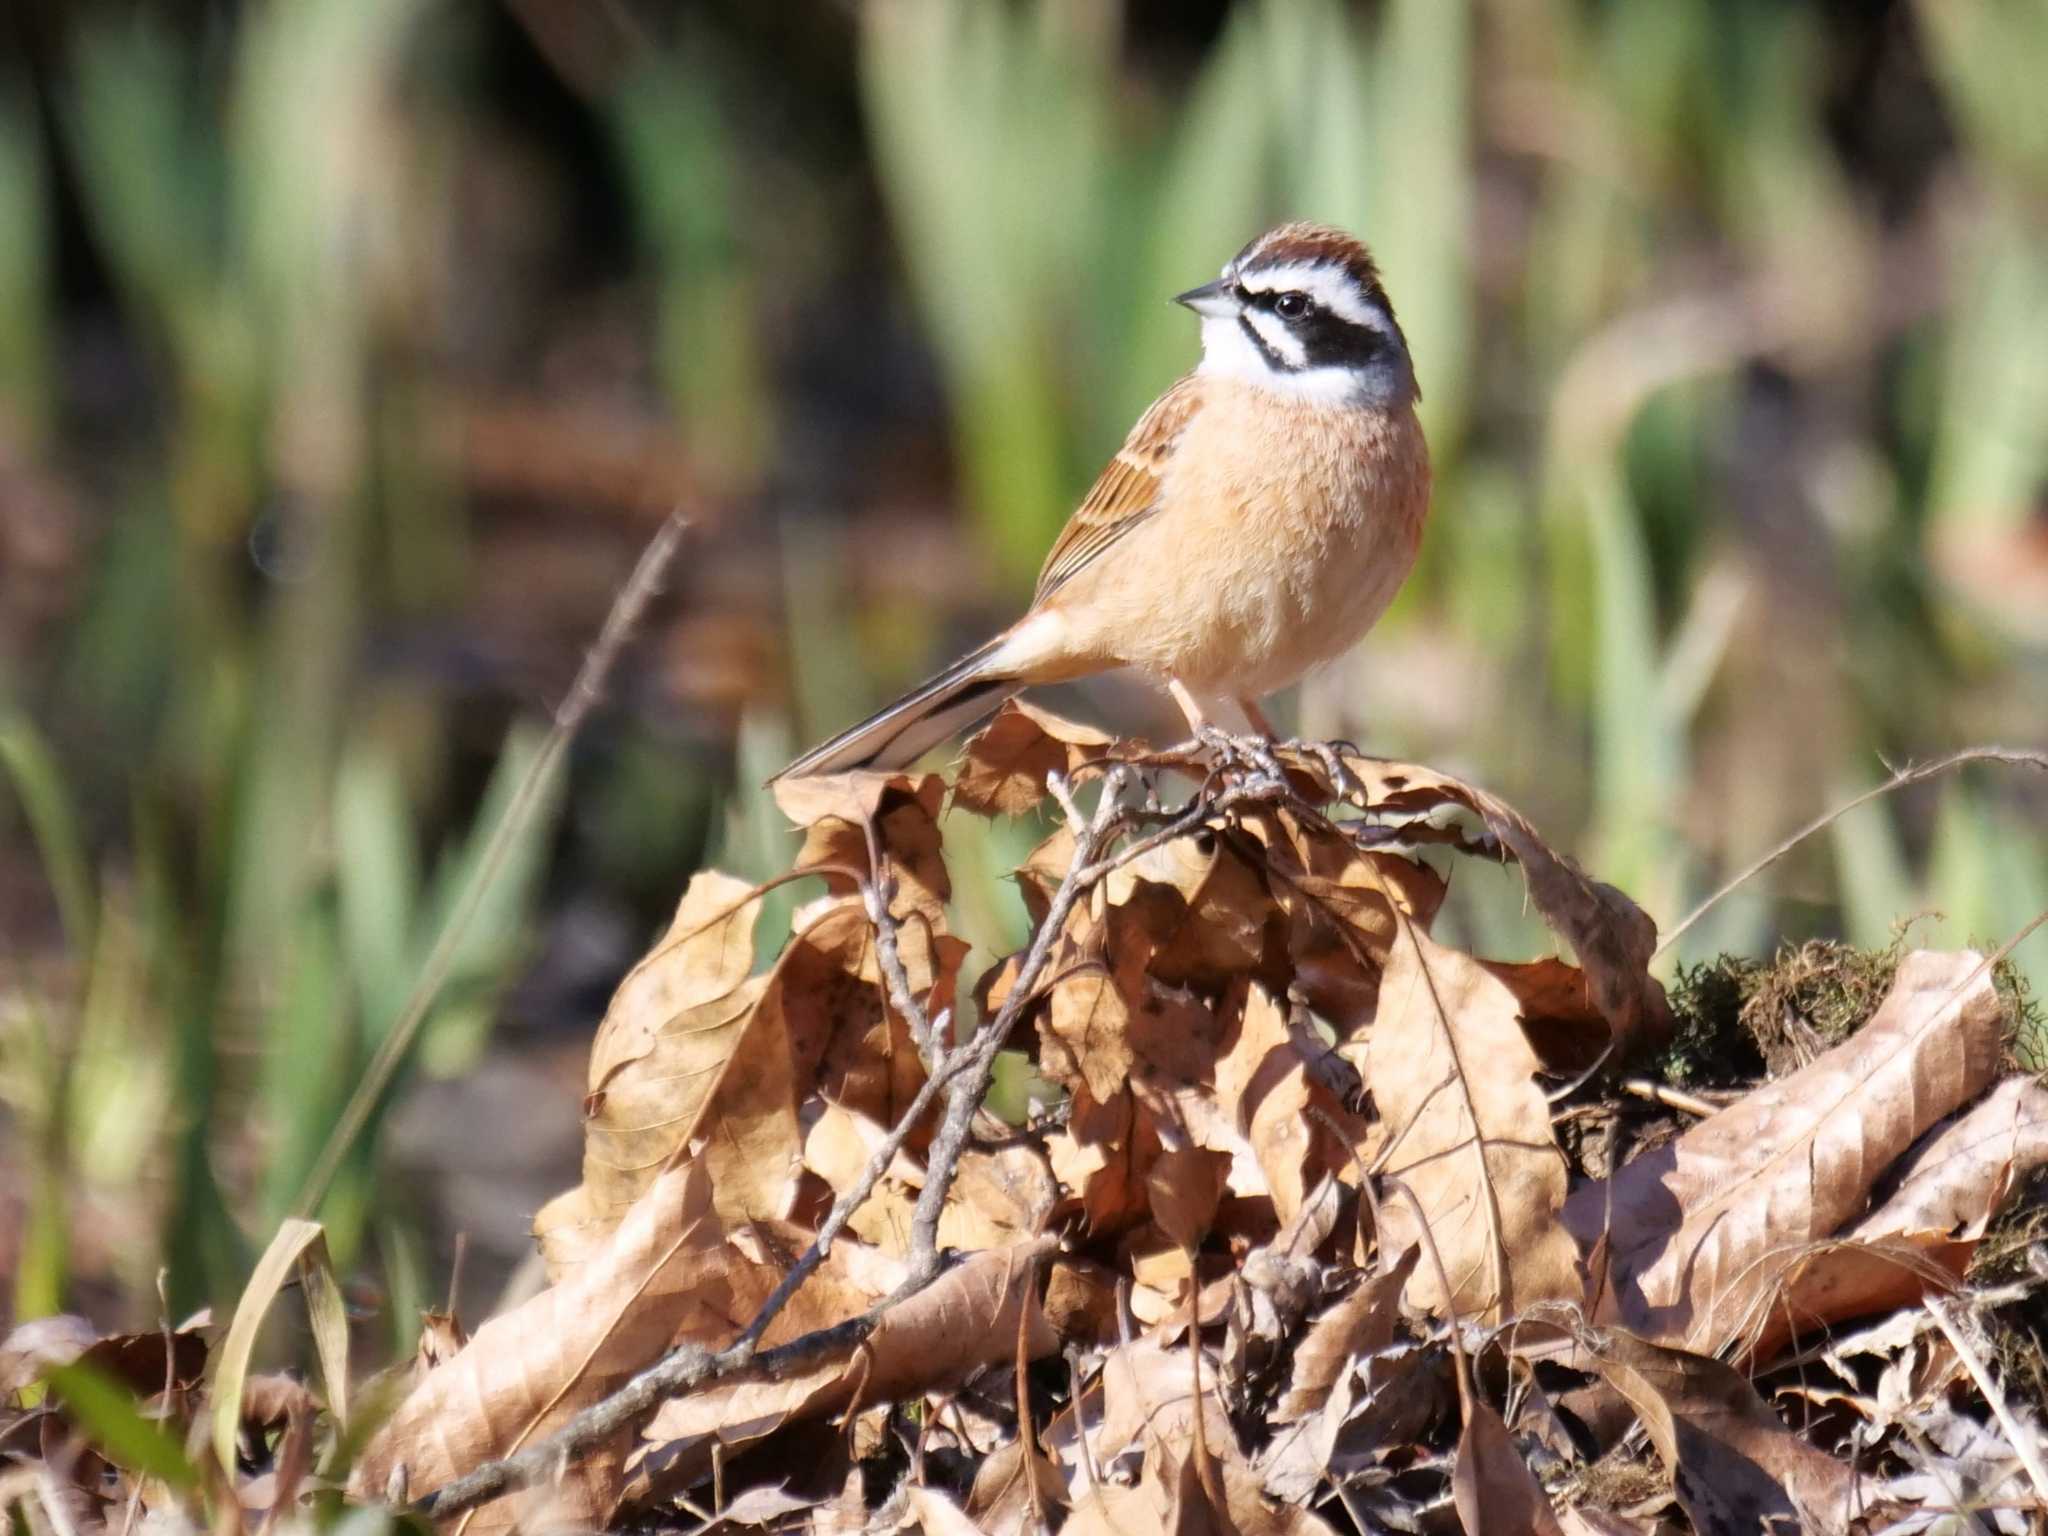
1291	306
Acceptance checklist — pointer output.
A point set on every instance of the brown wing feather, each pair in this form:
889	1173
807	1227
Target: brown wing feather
1127	490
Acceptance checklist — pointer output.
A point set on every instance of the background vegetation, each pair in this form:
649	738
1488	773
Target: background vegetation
350	350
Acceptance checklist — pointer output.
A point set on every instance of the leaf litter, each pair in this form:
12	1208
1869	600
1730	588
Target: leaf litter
1332	1226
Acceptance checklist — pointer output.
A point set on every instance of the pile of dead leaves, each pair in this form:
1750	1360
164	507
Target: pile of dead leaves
1317	1223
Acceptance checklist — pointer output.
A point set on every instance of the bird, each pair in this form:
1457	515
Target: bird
1257	521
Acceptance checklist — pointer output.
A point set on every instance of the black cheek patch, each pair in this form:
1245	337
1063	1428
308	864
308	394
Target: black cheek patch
1334	342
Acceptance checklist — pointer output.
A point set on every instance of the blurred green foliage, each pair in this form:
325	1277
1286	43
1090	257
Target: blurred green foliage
1728	320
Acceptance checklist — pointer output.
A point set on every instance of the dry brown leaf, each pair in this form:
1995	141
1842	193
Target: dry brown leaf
656	1062
846	1039
1735	1465
938	1515
1704	1229
1361	1324
1921	1239
1194	1512
1343	905
1495	1492
1468	1129
1612	937
1558	1012
1197	904
661	1280
1262	1085
1958	1175
1101	1156
966	1319
1006	761
1115	1509
997	1197
836	812
1012	1485
1148	1401
1085	1032
144	1362
1185	1185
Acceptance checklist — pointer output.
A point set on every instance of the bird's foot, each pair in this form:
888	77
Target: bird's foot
1245	757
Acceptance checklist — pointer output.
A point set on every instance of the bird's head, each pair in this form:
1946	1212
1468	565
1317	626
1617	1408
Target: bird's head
1301	311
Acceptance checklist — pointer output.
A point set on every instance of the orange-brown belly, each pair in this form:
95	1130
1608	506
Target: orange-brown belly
1286	532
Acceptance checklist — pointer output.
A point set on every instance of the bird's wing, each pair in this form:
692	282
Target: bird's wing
1126	493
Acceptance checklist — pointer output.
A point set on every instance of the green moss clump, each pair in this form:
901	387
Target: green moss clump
1738	1019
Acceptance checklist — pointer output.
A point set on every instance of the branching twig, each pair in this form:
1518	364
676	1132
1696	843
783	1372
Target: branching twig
962	1075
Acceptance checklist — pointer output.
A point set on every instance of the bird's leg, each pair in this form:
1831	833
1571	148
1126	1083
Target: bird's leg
1198	720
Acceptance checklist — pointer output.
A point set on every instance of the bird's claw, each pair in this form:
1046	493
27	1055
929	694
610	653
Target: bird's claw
1344	784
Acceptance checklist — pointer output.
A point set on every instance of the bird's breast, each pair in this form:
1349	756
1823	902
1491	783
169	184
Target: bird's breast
1284	533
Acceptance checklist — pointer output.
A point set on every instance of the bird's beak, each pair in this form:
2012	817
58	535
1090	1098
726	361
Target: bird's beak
1211	300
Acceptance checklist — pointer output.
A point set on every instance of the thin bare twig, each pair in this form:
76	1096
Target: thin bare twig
1899	780
626	612
1670	1097
876	893
2024	1444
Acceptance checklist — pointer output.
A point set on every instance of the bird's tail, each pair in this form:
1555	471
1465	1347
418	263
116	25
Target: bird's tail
966	693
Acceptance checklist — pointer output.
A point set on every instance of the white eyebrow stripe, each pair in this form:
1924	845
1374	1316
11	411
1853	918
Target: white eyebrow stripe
1331	287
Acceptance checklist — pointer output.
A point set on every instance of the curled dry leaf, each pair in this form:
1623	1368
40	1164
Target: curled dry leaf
656	1063
660	1280
1468	1130
1194	908
1690	1242
146	1363
1735	1465
1612	936
1085	1030
692	1051
836	812
1495	1492
1921	1238
1101	1157
1344	905
1005	762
